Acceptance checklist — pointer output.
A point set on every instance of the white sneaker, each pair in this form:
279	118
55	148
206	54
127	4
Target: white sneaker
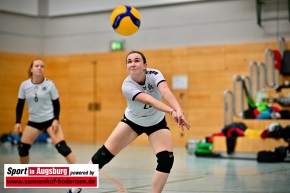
75	190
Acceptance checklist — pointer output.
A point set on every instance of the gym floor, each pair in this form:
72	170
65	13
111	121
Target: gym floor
131	171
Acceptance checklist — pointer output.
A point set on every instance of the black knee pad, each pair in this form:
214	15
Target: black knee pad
23	149
102	157
165	161
62	148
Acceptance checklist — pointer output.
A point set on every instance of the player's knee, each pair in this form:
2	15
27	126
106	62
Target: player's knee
165	161
63	149
23	149
102	157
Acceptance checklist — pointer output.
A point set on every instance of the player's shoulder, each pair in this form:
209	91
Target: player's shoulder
48	81
127	80
152	71
26	82
128	84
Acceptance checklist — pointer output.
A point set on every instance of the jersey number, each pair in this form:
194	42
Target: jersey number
36	98
147	106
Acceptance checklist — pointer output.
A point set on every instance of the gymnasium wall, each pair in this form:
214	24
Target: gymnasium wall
207	41
14	69
84	79
71	27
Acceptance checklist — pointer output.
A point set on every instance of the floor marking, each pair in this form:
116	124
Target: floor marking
120	186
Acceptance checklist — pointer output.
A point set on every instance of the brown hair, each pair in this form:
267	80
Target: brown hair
137	52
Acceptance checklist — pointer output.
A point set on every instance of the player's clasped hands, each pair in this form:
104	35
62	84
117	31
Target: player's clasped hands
179	118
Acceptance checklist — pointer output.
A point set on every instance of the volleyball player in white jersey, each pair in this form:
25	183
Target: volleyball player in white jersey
145	113
43	106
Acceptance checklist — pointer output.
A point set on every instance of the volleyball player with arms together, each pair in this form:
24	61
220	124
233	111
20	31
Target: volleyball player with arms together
43	106
145	113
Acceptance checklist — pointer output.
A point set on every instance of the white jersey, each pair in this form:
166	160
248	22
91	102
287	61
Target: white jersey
137	112
39	98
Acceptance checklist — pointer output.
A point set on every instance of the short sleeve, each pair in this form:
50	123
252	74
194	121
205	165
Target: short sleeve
158	77
54	92
130	91
21	93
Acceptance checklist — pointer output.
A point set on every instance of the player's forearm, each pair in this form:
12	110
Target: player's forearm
172	101
19	110
161	106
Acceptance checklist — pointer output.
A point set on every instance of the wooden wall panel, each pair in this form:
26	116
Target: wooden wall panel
73	76
110	74
107	119
97	78
13	70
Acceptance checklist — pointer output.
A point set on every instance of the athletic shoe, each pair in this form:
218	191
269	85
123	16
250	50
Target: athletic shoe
75	190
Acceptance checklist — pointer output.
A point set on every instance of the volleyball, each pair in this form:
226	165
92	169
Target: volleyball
125	20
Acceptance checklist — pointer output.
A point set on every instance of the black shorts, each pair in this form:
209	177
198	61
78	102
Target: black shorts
148	130
40	126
